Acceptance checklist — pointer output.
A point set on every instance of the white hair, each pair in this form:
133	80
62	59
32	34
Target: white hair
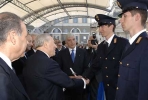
40	39
69	35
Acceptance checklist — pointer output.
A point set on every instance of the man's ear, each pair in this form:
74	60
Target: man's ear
12	35
137	16
45	44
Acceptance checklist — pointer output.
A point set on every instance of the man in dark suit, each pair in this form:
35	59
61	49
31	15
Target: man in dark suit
19	64
78	63
109	52
32	50
13	43
133	72
44	80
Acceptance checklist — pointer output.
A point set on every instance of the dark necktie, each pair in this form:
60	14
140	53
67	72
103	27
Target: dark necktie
106	47
72	55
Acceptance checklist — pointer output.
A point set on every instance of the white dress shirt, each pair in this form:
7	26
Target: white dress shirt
74	50
6	59
110	40
132	39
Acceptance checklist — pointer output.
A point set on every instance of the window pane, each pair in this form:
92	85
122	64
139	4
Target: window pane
75	20
84	20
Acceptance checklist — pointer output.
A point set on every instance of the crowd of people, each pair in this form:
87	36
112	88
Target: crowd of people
38	67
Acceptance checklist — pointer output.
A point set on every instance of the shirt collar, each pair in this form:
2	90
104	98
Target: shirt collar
132	39
72	49
6	59
110	40
46	54
34	50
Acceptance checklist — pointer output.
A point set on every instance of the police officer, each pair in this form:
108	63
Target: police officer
133	72
105	66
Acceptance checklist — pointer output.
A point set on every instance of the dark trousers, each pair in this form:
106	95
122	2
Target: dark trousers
94	89
76	96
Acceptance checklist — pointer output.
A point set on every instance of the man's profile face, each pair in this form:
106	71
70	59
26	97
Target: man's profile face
127	21
21	41
29	42
104	30
51	47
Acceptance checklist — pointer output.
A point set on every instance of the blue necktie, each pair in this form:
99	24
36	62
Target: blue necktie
72	55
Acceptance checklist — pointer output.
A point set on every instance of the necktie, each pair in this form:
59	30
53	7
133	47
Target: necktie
106	47
72	55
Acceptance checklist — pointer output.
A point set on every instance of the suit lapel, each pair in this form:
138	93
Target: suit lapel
68	55
134	44
13	77
77	55
112	45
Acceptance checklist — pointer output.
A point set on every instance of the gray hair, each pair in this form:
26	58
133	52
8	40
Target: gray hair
40	39
69	35
8	22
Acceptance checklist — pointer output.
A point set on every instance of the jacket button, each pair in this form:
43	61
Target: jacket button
105	67
100	57
107	84
107	76
118	75
117	88
106	58
120	63
127	64
113	57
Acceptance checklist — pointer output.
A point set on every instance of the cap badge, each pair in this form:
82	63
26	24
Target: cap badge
118	3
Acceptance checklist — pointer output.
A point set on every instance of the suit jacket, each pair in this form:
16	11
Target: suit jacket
79	65
10	86
30	52
106	64
133	72
44	80
18	65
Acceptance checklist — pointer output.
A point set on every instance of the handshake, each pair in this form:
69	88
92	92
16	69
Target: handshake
79	77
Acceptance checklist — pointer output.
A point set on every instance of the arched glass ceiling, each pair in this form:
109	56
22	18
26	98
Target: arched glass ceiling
29	8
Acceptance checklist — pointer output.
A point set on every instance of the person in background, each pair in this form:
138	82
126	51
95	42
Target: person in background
64	44
133	69
19	64
13	44
75	58
44	80
91	50
32	50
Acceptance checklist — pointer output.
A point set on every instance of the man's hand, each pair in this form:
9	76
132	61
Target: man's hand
76	77
87	81
94	46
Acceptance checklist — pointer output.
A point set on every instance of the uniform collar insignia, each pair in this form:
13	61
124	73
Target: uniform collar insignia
118	3
138	40
97	17
115	40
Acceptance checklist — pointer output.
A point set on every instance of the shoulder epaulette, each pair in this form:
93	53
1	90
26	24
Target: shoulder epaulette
115	40
138	40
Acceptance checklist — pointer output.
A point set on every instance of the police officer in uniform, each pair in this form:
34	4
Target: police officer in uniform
105	66
133	72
